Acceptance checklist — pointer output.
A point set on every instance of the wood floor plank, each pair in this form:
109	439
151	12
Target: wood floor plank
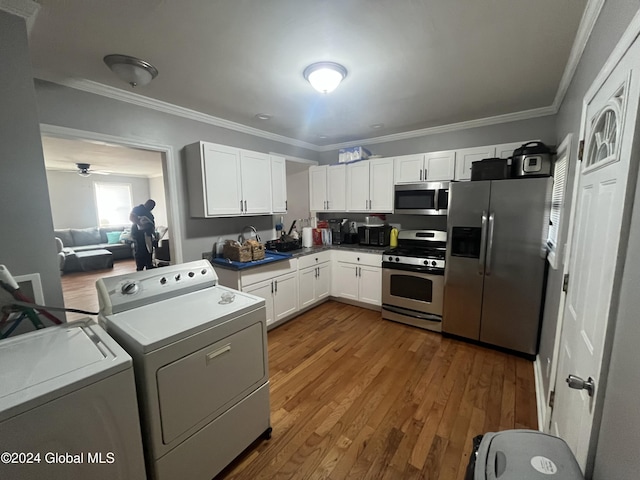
355	396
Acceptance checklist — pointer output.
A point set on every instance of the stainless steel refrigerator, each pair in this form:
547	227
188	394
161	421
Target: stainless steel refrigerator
495	264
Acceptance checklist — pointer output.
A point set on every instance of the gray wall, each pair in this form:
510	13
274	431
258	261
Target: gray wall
542	128
73	200
66	107
26	235
613	20
156	192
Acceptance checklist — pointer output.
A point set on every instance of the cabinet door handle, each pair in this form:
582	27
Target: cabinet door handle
425	174
216	353
271	287
276	282
241	206
359	271
421	174
356	271
286	204
245	206
327	204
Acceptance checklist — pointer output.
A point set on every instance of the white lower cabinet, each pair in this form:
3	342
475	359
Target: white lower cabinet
358	276
313	284
280	295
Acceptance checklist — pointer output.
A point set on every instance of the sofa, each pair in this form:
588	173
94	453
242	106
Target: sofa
74	240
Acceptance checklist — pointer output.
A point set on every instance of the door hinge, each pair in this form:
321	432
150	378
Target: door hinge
552	398
565	283
580	150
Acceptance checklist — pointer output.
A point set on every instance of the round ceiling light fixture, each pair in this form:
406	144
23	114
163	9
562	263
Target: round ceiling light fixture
325	76
134	71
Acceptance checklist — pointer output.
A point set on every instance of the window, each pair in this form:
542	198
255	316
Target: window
557	200
114	203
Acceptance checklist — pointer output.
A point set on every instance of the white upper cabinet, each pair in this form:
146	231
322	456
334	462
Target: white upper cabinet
466	156
278	184
440	166
381	185
225	181
358	186
318	188
370	186
336	188
327	188
409	168
256	189
425	167
213	175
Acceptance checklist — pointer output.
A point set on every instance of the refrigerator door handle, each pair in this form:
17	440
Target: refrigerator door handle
490	243
483	243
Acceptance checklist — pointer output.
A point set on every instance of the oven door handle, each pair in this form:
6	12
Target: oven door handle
436	194
483	243
490	243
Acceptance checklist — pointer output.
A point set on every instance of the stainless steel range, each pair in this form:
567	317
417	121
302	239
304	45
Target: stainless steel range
413	279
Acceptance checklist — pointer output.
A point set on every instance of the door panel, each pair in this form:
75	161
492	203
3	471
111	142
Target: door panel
285	295
278	184
464	275
515	261
337	188
317	188
409	169
323	282
595	259
381	185
306	282
358	186
370	285
264	290
256	192
222	184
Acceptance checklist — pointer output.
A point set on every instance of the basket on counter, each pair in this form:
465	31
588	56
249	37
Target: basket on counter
257	251
238	253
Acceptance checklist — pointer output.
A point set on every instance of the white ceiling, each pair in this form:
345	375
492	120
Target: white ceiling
412	64
62	154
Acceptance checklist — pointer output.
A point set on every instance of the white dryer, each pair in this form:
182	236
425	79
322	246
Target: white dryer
200	359
68	406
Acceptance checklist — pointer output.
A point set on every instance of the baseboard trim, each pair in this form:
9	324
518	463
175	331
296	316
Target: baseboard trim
541	403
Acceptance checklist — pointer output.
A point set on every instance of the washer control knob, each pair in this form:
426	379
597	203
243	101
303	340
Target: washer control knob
191	274
203	271
434	263
391	259
163	280
177	277
426	262
129	288
397	259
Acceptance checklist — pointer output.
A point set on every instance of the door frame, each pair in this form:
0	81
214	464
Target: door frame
627	40
170	167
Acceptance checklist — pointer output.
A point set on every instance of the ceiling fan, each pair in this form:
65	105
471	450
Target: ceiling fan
84	170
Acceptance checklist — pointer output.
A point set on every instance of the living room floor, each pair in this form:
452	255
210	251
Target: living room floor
79	288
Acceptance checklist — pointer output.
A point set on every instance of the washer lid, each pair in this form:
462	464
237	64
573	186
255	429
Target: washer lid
156	325
41	366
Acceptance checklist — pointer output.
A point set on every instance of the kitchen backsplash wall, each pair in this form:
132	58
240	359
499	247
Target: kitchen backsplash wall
401	222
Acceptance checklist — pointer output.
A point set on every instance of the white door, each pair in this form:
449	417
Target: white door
440	166
285	295
264	290
256	187
306	284
409	168
346	280
222	184
337	188
317	188
381	185
358	187
594	266
370	285
278	184
466	156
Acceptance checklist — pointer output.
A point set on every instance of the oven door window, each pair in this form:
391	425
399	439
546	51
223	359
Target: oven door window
411	287
415	199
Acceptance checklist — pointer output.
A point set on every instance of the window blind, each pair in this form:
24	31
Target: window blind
557	200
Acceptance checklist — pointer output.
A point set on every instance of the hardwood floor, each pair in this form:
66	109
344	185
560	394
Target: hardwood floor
355	396
79	288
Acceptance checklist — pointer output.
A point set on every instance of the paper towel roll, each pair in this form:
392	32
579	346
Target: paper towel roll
307	237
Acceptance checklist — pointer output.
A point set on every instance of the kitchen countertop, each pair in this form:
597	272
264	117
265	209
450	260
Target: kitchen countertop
271	256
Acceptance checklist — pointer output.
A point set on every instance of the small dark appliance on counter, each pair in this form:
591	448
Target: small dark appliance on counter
284	244
532	159
490	169
341	232
376	235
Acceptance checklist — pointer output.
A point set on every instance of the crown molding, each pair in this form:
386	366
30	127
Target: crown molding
587	22
21	8
452	127
165	107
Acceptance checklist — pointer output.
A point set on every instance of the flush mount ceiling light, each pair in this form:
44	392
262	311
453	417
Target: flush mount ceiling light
132	70
325	76
83	169
263	116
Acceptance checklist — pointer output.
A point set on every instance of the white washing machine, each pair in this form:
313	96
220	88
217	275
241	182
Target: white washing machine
68	406
200	359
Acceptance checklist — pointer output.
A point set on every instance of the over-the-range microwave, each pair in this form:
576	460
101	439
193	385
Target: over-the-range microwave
425	198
